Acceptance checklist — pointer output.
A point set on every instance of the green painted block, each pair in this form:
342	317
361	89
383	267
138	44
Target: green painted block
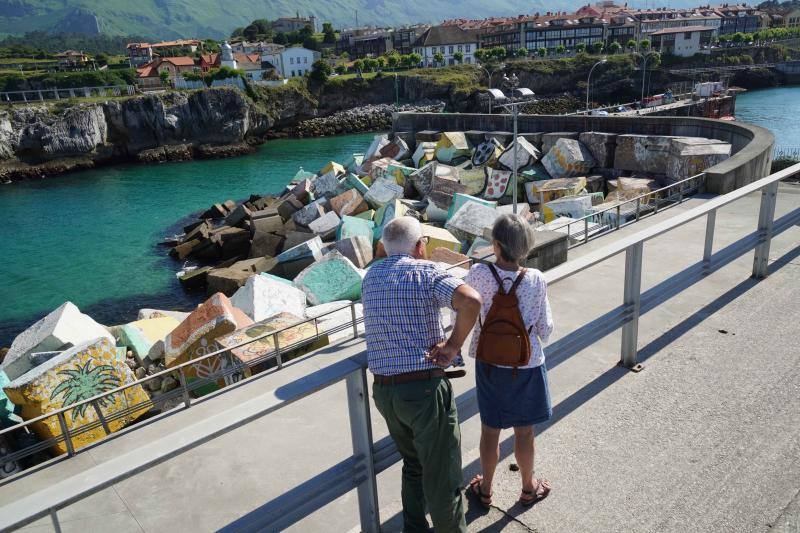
353	227
366	215
7	409
355	182
277	278
332	278
460	199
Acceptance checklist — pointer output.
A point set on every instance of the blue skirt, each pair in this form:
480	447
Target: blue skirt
506	400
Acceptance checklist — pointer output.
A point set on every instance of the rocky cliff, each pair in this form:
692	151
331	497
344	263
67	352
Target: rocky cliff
38	140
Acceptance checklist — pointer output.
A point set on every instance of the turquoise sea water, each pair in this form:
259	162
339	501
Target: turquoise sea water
775	109
91	236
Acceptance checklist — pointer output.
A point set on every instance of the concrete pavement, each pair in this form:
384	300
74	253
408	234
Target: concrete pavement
705	438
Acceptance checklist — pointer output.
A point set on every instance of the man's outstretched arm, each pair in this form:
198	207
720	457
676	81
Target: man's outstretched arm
466	302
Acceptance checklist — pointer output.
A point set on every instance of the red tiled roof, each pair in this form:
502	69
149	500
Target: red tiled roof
149	70
180	61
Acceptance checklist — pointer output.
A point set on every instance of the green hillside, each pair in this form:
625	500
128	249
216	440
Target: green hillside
214	18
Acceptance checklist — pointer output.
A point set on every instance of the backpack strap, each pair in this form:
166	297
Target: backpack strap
493	270
517	281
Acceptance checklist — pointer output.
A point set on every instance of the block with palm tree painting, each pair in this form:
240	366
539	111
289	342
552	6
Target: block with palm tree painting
79	373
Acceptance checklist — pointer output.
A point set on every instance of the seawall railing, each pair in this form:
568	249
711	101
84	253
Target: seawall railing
370	458
41	95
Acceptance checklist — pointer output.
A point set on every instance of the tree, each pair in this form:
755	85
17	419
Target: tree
438	58
251	32
560	49
738	38
631	44
644	44
320	71
340	69
311	44
498	52
280	38
542	51
381	62
327	27
614	47
101	58
522	52
597	47
164	75
393	60
458	56
580	48
358	65
481	54
415	59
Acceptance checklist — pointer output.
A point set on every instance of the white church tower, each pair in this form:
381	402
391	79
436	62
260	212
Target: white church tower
227	59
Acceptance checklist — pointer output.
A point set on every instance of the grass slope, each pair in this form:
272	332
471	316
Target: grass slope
212	18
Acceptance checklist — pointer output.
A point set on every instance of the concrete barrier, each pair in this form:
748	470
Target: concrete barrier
751	145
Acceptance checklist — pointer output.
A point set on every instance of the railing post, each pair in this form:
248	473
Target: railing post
585	230
278	355
711	221
62	421
187	400
353	317
54	519
766	216
361	433
632	293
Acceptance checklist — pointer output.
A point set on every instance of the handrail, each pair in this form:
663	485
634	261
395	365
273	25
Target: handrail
351	369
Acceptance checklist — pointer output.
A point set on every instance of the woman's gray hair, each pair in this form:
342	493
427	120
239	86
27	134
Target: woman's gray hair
401	235
514	236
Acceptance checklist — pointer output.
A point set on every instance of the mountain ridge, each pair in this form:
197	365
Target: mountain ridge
167	19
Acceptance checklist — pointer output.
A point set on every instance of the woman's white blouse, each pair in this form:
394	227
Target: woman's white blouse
533	304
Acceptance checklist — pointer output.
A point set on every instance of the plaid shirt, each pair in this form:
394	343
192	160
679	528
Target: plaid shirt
402	297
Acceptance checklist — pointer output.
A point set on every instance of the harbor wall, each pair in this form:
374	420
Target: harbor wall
751	145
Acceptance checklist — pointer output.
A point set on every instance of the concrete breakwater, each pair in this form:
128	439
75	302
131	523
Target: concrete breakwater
375	117
272	261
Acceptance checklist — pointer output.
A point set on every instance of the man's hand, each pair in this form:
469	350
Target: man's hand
442	354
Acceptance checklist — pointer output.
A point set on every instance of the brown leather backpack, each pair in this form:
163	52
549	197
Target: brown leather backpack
504	340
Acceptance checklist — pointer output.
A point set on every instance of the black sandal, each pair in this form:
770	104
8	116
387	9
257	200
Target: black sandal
476	490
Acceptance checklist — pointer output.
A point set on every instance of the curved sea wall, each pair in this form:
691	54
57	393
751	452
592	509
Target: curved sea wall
751	145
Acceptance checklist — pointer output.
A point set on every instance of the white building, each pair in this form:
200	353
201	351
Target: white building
448	41
226	56
291	62
682	42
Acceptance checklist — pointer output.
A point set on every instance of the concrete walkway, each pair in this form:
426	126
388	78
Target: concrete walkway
706	438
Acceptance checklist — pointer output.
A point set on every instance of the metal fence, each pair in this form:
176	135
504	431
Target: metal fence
786	152
60	94
370	458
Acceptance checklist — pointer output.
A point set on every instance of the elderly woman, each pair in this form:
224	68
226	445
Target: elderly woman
512	397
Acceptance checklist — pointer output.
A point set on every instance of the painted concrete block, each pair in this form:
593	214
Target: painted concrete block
357	249
8	411
399	173
422	179
266	244
548	190
356	183
535	173
263	296
570	206
527	154
355	226
601	145
481	251
326	186
63	328
449	257
439	238
424	154
568	158
460	199
444	185
497	184
642	153
379	168
145	338
349	203
309	213
303	191
334	277
325	226
473	179
194	338
378	142
452	145
294	238
310	248
397	149
332	166
622	189
470	221
487	153
382	192
366	215
692	155
550	139
249	355
85	370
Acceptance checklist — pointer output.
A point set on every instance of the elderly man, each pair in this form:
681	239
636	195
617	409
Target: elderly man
407	352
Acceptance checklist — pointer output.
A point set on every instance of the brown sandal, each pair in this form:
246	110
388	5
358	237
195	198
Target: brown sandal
542	490
476	490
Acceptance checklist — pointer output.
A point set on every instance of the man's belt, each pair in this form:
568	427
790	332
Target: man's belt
422	375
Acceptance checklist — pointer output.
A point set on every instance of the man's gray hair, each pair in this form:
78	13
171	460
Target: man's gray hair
515	237
401	235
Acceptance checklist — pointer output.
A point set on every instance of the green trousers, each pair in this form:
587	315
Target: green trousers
423	422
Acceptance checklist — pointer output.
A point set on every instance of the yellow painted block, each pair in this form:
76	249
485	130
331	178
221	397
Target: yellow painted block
77	374
337	169
439	238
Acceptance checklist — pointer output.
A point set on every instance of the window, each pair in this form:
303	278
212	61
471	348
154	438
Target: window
468	47
441	49
687	35
451	49
293	74
460	48
291	61
305	60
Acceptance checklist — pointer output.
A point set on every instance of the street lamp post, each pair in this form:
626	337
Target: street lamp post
514	108
589	81
645	58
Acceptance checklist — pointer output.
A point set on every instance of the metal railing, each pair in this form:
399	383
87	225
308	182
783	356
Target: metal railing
649	203
370	458
40	95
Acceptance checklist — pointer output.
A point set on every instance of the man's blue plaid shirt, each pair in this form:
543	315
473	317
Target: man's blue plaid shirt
402	297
